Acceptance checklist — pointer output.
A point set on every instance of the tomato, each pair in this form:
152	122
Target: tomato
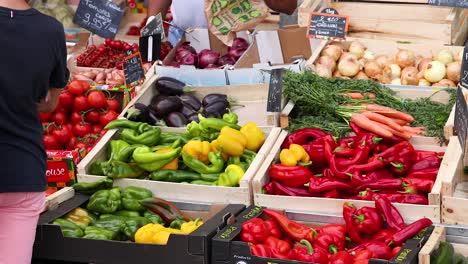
92	116
89	148
107	117
80	103
50	142
69	125
63	135
44	117
96	128
96	99
59	118
92	47
135	45
66	99
76	87
50	191
48	128
118	45
76	118
103	132
135	50
80	145
81	129
113	104
108	41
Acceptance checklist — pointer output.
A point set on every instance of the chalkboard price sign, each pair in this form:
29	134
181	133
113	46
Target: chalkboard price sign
461	118
154	27
453	3
464	69
327	26
101	17
275	91
133	69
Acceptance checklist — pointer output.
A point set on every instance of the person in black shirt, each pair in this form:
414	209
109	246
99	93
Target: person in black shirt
32	72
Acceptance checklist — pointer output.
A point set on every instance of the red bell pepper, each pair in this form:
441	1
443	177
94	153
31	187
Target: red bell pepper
274	229
363	254
303	136
279	248
327	150
384	235
260	251
395	251
254	231
409	189
379	249
330	242
317	154
368	220
428	174
391	215
382	184
341	257
334	229
293	229
309	254
366	195
410	230
359	179
276	188
292	176
321	185
426	163
422	185
332	194
406	198
371	140
367	167
349	210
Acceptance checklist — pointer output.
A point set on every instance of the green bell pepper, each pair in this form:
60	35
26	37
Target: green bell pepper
176	224
125	154
98	233
231	176
147	138
111	222
105	201
118	169
154	218
69	229
80	217
92	187
131	197
127	213
215	123
96	168
122	123
230	117
174	176
116	146
131	226
170	137
151	161
216	159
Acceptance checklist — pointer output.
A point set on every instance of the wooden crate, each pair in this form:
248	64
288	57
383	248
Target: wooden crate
58	197
254	98
439	234
415	22
178	191
449	126
410	212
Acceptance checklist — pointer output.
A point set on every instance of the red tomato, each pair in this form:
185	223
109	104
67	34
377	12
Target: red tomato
69	125
59	118
81	129
44	117
48	128
92	116
66	99
76	87
71	144
96	128
135	45
80	103
107	117
89	148
50	142
108	41
80	145
113	104
103	132
96	99
76	118
63	135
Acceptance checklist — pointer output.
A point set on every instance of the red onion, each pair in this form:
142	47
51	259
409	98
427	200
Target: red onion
207	57
240	43
182	53
186	46
236	53
189	59
226	60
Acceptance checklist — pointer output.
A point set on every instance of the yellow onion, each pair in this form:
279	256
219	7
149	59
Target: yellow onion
405	58
348	66
337	74
361	76
460	56
333	51
423	82
453	71
445	56
372	69
382	60
445	83
393	70
409	76
369	55
327	61
357	48
435	71
423	63
323	70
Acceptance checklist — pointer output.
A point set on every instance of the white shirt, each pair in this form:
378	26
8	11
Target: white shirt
189	13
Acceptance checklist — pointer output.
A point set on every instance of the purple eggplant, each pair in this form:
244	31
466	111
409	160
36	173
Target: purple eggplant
191	100
165	105
152	118
212	98
187	110
218	108
176	119
171	86
138	112
193	117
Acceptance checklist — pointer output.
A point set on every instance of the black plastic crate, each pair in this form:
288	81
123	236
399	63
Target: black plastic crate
228	249
195	248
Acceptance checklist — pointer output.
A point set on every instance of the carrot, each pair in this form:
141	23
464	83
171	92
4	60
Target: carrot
363	122
370	95
383	119
355	96
415	130
405	134
401	122
389	112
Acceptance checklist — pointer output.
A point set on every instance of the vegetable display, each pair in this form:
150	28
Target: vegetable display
361	238
445	253
78	120
209	59
213	152
110	54
359	167
330	104
131	214
405	68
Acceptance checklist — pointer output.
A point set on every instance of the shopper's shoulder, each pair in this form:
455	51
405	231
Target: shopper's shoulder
50	24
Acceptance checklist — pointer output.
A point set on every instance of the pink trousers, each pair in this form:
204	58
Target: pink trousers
19	213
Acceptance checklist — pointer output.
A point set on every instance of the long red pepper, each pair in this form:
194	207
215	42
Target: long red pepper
384	235
293	229
303	136
368	167
426	163
276	188
336	172
379	249
362	153
293	176
320	185
391	215
422	185
348	212
407	198
428	174
382	184
410	230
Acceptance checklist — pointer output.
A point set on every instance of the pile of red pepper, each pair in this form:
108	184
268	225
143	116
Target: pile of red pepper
356	167
360	239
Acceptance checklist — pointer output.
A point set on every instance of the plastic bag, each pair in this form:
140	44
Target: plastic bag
226	17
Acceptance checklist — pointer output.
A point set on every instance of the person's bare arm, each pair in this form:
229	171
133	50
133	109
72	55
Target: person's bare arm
158	6
48	104
282	6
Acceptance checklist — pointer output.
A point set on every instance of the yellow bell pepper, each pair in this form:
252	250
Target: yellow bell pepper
154	234
215	148
173	165
296	153
198	149
191	226
232	141
254	135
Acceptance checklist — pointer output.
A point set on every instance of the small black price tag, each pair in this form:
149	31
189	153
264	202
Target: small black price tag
464	68
275	91
461	118
154	27
101	17
327	26
133	69
453	3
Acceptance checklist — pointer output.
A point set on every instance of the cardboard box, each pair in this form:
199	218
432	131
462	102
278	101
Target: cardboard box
61	167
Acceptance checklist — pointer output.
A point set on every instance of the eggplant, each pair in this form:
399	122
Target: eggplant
219	107
171	86
191	100
212	114
176	119
138	112
165	105
193	117
187	110
212	98
152	118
